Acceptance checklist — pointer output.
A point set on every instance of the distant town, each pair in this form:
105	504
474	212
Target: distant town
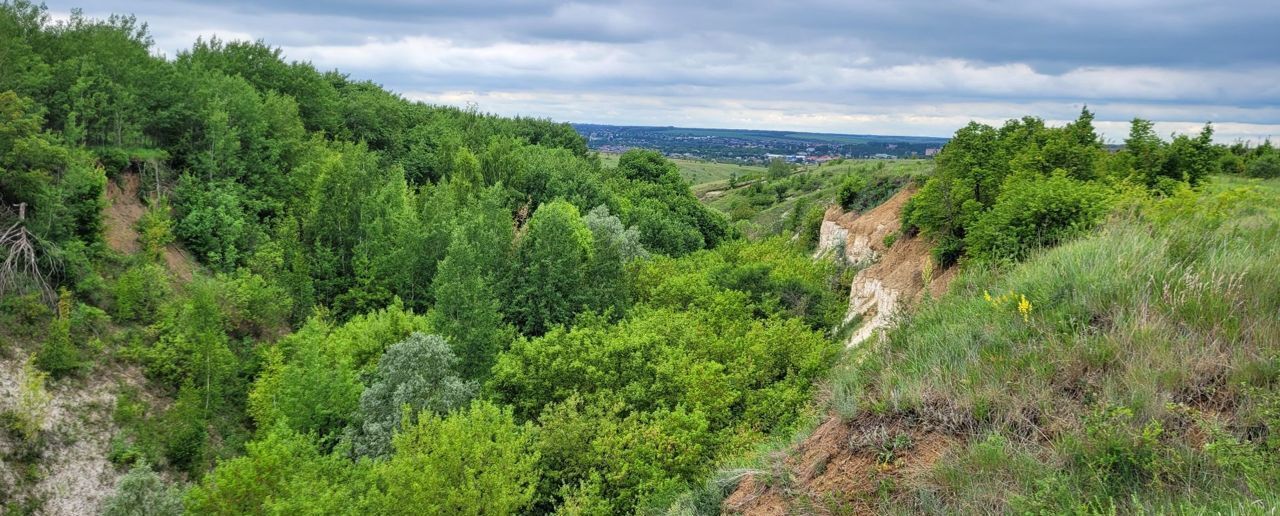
757	147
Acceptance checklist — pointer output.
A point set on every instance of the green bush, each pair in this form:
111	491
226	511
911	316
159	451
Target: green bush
889	239
140	292
1034	212
811	226
24	316
138	438
850	189
155	230
60	355
1230	163
1265	166
113	159
142	491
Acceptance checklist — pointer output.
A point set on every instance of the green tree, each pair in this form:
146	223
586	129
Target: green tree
60	355
140	492
1144	152
280	471
778	169
548	283
468	310
615	246
311	381
215	223
1191	160
26	72
648	166
413	376
476	461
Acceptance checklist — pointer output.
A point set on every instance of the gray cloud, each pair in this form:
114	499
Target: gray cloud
912	66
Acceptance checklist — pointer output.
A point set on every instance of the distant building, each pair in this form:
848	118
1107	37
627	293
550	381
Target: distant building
882	156
932	151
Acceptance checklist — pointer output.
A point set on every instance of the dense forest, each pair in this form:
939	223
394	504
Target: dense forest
332	299
398	307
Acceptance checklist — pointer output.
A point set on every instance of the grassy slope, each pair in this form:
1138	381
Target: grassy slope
1145	372
814	186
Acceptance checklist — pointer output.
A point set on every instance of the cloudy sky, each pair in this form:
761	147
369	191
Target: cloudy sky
910	67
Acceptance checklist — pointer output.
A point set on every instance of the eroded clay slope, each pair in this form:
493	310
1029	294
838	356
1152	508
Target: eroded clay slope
894	277
840	467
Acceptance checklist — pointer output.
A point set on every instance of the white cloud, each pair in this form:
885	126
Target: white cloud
910	67
905	119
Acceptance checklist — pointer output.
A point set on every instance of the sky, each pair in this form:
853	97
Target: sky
906	67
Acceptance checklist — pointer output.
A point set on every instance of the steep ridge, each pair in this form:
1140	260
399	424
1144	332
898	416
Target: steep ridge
124	209
893	277
74	474
848	456
120	218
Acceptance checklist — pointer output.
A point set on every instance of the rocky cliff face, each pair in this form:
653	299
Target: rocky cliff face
893	276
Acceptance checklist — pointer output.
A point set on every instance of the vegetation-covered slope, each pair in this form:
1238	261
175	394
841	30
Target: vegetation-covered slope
397	307
1110	345
404	308
1139	373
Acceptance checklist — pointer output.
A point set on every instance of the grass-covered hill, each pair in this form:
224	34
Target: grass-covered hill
792	199
1111	346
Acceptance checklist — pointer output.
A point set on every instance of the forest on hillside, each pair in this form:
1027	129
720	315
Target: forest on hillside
397	307
282	289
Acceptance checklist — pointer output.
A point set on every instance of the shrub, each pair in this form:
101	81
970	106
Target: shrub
139	436
1032	213
1230	163
1265	166
947	251
33	404
59	355
23	316
850	188
811	226
155	230
139	293
413	376
113	159
142	491
889	239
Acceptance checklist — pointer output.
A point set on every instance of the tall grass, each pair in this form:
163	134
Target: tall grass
1141	373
